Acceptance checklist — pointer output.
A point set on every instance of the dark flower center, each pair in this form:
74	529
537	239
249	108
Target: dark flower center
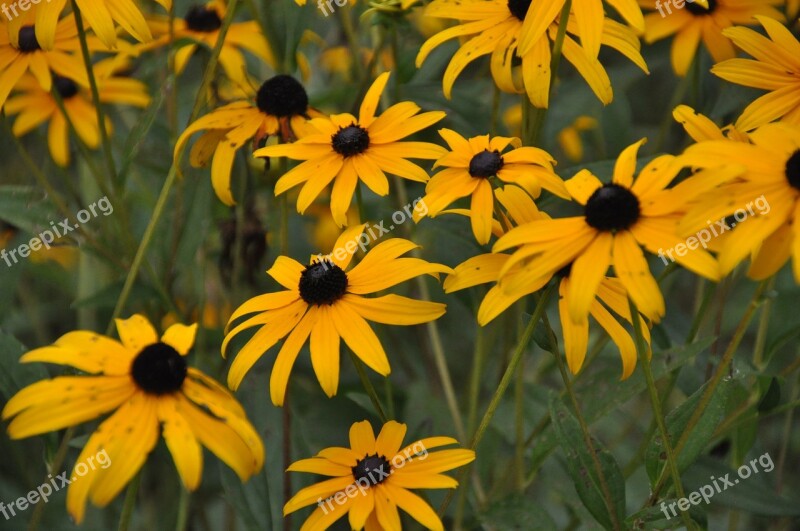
373	468
696	9
203	19
519	8
65	86
27	40
322	282
793	170
350	140
611	208
564	271
282	96
158	369
485	164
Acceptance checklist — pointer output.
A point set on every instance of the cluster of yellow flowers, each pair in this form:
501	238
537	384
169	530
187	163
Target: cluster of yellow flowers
665	209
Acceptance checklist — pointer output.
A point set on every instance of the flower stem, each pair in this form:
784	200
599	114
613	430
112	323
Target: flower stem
183	509
130	502
368	387
505	381
658	413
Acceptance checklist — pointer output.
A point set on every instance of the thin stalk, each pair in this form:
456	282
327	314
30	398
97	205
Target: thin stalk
183	509
101	118
505	381
658	413
722	368
55	466
368	387
130	503
763	326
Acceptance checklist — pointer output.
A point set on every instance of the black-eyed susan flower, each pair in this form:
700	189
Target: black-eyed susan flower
34	106
201	24
765	199
569	138
618	218
697	22
347	149
325	302
147	383
611	298
281	107
20	52
470	165
775	67
511	29
373	478
102	16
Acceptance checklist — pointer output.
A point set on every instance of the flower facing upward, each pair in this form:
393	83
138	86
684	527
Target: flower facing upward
100	16
522	30
281	106
370	480
696	22
618	217
201	24
148	383
346	149
775	67
324	302
35	106
470	165
20	52
770	183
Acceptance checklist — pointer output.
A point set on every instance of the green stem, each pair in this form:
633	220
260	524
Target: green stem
57	464
368	387
101	119
658	413
183	509
130	502
722	368
505	381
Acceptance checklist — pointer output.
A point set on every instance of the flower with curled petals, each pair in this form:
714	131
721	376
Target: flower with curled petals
151	389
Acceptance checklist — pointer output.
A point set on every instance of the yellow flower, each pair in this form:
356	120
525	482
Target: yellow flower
700	127
370	480
510	29
281	107
776	68
569	138
347	149
20	52
770	183
201	24
35	106
471	165
695	22
618	218
100	15
326	303
148	384
611	294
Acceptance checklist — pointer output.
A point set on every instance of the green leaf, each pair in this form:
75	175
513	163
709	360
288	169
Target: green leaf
582	470
662	517
250	500
771	398
516	513
26	207
676	421
13	374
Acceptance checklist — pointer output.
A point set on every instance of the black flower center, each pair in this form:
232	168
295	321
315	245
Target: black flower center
158	369
27	40
793	170
322	282
519	8
565	271
373	468
350	140
696	9
282	96
203	19
485	164
65	86
611	208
